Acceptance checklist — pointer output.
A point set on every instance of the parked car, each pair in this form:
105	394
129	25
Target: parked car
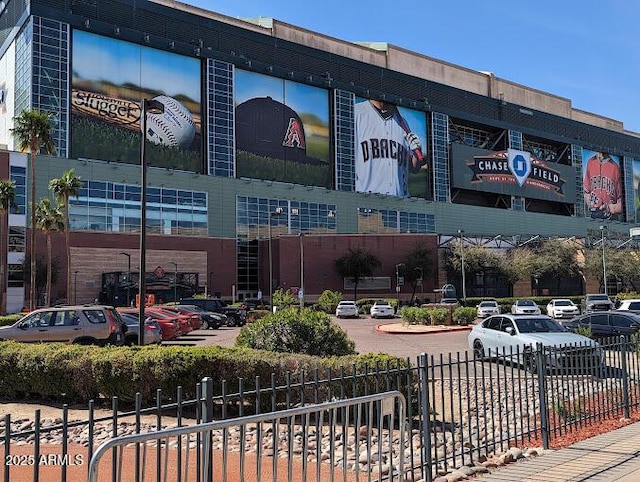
608	323
630	305
382	309
562	308
183	321
487	308
195	320
84	325
525	307
169	325
152	331
209	318
597	302
347	309
450	302
249	304
235	316
517	337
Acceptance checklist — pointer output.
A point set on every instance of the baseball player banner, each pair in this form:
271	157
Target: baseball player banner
282	130
513	172
636	187
110	78
389	150
602	184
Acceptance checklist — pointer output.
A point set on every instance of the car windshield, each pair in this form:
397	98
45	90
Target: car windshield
538	325
599	297
488	304
347	303
525	303
563	303
382	303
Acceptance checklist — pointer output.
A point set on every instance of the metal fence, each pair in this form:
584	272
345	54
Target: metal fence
459	409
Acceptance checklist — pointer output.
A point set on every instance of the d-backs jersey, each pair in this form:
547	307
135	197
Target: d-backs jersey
602	182
382	153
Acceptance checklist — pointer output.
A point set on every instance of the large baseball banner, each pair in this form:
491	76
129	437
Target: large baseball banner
390	149
602	184
110	78
282	130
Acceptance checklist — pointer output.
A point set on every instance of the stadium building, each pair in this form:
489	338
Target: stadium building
258	176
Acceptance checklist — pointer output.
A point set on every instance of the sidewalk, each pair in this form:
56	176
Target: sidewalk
611	456
405	329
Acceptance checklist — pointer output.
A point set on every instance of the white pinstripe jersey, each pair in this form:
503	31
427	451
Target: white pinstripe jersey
382	153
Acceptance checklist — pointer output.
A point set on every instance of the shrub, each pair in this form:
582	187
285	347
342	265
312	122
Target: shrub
283	299
584	331
415	316
464	315
293	331
439	316
254	315
328	300
7	320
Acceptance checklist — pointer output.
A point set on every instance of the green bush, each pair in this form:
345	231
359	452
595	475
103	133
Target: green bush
439	316
584	331
77	374
283	299
328	300
415	316
464	315
8	320
255	315
293	331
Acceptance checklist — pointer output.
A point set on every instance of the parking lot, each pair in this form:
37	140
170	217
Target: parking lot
362	331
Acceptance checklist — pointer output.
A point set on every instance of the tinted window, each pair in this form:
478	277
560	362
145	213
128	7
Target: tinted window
539	325
488	303
620	321
563	303
525	303
634	305
95	316
598	320
506	323
493	323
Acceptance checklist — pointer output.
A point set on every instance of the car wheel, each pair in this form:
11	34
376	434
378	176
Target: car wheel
205	325
478	350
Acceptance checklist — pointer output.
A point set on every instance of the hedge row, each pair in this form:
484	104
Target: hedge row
77	374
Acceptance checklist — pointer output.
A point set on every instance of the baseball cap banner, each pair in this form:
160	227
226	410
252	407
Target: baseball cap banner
282	135
110	79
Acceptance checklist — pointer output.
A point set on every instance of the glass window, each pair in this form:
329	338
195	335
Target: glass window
600	319
620	321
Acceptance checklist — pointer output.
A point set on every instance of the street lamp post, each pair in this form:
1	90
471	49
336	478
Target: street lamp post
154	107
175	281
398	266
128	277
464	284
75	287
604	262
272	214
301	293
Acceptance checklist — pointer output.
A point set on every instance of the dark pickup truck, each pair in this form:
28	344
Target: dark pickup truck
235	316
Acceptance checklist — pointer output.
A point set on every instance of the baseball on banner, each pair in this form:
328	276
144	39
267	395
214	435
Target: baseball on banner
174	127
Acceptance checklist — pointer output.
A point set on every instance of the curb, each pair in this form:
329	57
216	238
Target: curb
427	331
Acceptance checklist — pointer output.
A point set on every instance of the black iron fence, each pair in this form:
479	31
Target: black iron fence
459	408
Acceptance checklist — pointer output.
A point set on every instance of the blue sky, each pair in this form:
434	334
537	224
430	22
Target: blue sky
587	51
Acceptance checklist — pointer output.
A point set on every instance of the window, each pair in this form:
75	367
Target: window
598	320
621	321
66	318
95	316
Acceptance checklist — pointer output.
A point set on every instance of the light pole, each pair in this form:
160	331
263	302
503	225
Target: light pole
75	287
398	266
272	214
419	271
464	284
175	281
128	277
301	293
604	263
154	107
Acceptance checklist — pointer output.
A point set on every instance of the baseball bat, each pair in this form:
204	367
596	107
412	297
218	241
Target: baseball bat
405	127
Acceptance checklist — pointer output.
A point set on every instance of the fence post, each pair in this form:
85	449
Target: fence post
207	416
426	414
625	376
541	370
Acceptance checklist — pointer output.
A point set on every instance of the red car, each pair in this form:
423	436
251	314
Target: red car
170	328
183	321
194	318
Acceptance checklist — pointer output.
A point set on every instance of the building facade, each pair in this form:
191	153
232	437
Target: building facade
275	149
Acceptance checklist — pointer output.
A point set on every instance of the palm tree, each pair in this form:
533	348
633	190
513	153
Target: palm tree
66	186
356	265
33	134
49	218
7	201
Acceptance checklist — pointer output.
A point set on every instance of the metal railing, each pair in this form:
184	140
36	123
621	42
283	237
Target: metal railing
459	407
326	440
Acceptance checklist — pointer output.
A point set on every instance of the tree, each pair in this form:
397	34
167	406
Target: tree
33	134
66	186
49	218
417	265
356	265
476	259
7	201
41	272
